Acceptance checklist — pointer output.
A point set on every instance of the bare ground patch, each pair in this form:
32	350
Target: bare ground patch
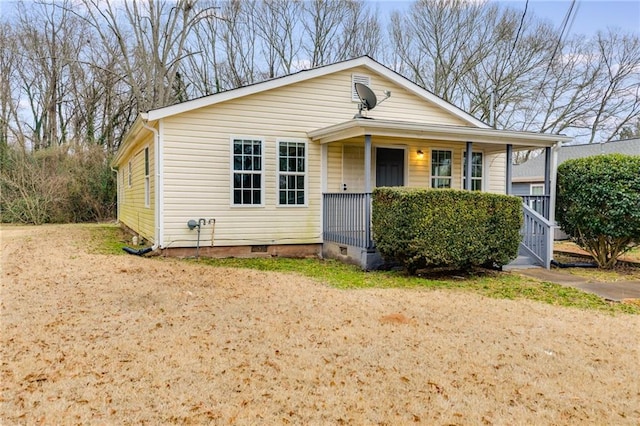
89	338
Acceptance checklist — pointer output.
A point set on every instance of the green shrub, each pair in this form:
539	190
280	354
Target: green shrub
446	228
598	204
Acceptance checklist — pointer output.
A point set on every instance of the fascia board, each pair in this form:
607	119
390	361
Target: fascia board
427	131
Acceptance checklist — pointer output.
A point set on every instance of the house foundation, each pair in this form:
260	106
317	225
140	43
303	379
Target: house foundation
272	250
367	259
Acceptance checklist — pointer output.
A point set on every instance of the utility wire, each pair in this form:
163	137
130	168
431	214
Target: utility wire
492	97
565	26
515	41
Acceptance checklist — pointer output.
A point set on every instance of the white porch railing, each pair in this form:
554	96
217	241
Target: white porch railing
537	237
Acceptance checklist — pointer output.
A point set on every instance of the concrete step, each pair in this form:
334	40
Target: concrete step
521	262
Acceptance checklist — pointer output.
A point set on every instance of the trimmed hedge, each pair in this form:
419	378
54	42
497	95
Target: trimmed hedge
445	228
598	204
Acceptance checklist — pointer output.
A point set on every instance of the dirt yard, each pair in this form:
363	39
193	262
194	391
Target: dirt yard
104	339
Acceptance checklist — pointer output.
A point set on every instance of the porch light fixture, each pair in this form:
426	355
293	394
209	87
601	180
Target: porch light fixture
420	154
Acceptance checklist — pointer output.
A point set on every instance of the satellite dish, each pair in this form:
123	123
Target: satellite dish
367	97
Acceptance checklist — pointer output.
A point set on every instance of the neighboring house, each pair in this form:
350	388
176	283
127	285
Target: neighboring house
528	177
285	167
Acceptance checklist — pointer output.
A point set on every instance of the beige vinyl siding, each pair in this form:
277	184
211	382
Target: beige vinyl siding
417	175
496	182
334	167
132	211
203	190
197	170
419	172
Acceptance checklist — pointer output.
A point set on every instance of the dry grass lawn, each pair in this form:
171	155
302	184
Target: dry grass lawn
105	339
631	256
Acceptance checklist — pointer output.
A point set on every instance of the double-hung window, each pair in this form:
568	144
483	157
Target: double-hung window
440	169
292	169
476	170
247	172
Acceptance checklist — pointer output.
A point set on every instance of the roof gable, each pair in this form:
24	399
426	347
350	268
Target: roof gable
300	76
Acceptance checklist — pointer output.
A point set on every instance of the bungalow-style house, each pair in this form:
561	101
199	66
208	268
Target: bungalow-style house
528	177
286	167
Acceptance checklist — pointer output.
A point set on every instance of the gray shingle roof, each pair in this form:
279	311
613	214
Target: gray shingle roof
534	167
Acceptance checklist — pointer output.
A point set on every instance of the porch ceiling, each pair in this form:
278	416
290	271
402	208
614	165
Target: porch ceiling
410	130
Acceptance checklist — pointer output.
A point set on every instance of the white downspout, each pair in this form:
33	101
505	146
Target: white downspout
118	190
552	197
554	179
158	168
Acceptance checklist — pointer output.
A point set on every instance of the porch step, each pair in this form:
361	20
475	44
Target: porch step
521	262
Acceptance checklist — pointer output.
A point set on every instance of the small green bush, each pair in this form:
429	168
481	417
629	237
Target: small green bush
446	228
598	204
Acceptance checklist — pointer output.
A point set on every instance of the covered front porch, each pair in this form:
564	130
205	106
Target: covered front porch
362	154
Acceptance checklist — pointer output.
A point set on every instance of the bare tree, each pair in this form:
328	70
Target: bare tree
335	30
148	39
619	100
277	25
439	43
498	64
201	67
47	50
9	95
592	89
512	53
236	33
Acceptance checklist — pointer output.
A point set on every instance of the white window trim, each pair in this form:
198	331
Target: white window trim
129	174
147	173
358	78
262	172
533	202
484	168
536	185
306	173
431	177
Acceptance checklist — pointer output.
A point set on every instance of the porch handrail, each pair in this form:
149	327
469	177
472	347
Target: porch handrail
347	219
537	236
539	203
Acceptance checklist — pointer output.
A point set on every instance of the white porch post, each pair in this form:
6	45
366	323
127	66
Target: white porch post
367	190
553	176
468	169
547	171
509	171
367	163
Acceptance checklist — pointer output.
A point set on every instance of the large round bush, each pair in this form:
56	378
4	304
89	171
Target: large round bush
598	204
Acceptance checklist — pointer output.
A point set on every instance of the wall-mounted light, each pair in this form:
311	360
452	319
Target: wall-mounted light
420	154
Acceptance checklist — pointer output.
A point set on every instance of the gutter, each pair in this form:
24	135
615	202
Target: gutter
156	138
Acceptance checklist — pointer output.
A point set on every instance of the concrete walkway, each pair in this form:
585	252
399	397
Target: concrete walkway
614	291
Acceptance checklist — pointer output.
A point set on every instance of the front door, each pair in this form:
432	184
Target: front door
389	167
